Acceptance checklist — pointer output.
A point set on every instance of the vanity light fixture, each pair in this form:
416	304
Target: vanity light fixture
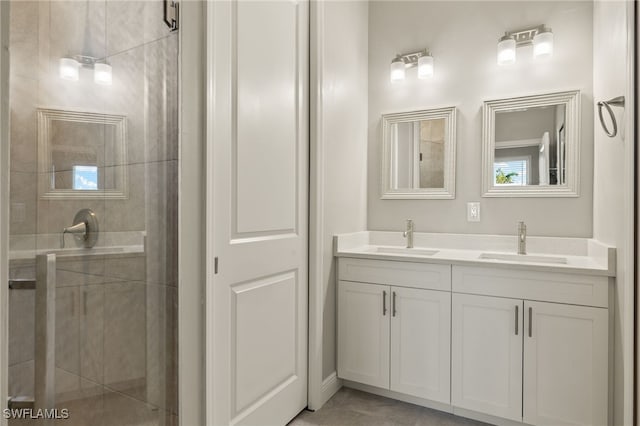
421	59
506	50
540	37
102	74
543	43
397	70
69	69
425	66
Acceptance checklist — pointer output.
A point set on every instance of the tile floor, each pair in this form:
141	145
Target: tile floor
350	407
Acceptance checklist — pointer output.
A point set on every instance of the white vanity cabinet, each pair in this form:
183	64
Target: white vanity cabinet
539	362
394	326
459	325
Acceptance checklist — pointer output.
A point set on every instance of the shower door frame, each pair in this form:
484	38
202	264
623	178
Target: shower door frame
191	212
191	89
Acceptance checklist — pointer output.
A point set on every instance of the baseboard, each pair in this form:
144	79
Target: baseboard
330	386
447	408
486	418
399	396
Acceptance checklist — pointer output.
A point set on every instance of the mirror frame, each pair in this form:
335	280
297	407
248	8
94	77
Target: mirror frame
571	101
45	116
449	189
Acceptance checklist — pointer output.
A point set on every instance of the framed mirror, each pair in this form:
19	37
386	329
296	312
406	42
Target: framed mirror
81	155
419	154
531	146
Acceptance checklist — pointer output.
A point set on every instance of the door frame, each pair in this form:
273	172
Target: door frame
629	250
4	205
316	397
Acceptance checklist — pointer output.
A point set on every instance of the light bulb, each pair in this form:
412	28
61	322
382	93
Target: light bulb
425	66
69	69
543	44
506	50
397	70
102	74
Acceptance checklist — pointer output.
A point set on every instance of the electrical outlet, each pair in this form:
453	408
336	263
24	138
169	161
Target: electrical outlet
473	212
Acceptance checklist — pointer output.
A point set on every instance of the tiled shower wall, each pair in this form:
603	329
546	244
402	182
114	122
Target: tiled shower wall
116	316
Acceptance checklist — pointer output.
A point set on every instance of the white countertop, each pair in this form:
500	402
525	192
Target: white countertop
583	255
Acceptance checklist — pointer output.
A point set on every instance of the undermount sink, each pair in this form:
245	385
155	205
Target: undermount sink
403	250
524	258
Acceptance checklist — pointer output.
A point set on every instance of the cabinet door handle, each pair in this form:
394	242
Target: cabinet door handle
393	304
530	320
517	309
384	303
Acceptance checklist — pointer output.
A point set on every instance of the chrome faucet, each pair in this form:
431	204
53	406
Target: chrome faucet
522	238
408	233
84	229
77	229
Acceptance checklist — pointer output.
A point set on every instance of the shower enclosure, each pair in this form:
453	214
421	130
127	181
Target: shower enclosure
93	106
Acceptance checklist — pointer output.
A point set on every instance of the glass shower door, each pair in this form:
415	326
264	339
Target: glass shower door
93	127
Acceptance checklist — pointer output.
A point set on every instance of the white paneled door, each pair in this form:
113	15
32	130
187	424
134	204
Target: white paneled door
258	191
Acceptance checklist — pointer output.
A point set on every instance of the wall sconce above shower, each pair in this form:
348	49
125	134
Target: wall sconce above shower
421	59
69	69
540	37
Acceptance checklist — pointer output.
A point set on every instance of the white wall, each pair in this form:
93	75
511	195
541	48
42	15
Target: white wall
613	185
338	159
462	37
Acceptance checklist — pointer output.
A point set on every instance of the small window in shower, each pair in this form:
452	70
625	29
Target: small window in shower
85	178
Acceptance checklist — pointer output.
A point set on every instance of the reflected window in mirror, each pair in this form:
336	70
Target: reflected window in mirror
512	170
531	146
419	154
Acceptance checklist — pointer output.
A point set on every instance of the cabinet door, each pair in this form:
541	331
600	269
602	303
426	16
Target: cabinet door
363	333
421	343
486	370
565	364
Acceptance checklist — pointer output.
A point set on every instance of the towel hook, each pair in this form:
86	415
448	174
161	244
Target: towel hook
619	102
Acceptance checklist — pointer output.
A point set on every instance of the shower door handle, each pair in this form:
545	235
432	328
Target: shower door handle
22	284
20	403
